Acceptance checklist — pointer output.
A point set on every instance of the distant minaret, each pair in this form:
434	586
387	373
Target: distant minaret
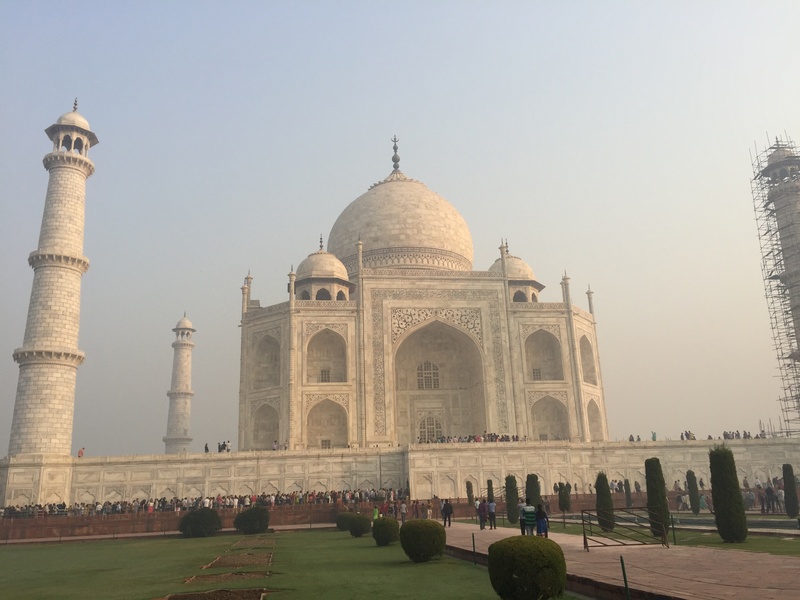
180	394
49	357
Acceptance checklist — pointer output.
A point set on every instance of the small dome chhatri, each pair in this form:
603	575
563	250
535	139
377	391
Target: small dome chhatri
74	118
184	323
321	265
516	268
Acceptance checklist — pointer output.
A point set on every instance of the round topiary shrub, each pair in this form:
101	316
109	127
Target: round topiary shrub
343	520
359	525
203	522
523	567
385	531
253	520
422	540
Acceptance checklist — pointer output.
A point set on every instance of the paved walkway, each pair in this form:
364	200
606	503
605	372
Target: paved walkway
678	571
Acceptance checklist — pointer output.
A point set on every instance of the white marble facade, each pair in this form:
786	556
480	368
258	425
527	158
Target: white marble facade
390	336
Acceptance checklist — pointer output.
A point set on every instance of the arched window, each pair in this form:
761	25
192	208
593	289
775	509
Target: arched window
595	421
326	358
427	376
268	363
341	296
520	296
587	362
323	294
543	356
430	429
305	295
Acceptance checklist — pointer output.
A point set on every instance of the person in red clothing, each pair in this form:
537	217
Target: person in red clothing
80	452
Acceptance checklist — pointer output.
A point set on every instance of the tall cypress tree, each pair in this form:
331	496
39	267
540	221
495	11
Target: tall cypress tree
512	499
605	504
533	489
694	493
470	494
564	501
489	491
727	496
628	499
657	506
790	492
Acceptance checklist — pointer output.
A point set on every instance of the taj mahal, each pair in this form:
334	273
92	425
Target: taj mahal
390	339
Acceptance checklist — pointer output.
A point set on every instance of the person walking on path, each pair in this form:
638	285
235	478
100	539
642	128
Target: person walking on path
521	516
483	513
542	522
492	506
447	513
529	513
403	511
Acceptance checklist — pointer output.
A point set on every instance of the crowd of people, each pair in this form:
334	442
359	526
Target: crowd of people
690	436
218	502
460	439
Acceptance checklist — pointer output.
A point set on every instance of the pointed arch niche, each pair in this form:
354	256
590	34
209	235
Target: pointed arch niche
326	358
595	419
266	428
458	396
549	420
326	425
268	363
587	361
543	357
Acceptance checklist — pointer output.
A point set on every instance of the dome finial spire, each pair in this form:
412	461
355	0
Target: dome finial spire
320	241
395	158
75	105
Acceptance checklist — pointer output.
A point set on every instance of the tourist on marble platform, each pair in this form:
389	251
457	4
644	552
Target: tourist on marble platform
447	513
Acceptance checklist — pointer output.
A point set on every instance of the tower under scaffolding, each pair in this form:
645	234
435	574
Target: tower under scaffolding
776	198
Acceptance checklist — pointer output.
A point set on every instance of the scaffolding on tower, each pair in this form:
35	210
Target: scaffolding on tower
778	294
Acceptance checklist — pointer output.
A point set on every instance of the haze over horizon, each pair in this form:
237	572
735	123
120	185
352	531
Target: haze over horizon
612	141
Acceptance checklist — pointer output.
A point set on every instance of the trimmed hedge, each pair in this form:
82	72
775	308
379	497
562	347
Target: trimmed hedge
528	566
604	503
694	492
385	531
657	505
359	525
727	496
203	522
422	540
790	491
253	520
512	499
343	520
533	489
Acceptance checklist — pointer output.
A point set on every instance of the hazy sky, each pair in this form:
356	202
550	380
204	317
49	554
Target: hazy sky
611	140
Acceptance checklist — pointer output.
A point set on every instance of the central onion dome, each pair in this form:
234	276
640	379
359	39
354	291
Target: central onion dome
402	225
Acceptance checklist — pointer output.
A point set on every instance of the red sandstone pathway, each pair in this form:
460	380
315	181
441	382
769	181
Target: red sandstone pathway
680	571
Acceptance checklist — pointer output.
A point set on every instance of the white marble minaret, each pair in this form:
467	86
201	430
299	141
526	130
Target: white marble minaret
180	394
49	357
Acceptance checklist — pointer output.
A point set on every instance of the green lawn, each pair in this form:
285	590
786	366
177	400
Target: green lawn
306	564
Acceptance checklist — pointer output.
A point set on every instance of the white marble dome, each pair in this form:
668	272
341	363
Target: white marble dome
321	264
402	224
73	118
184	323
516	268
